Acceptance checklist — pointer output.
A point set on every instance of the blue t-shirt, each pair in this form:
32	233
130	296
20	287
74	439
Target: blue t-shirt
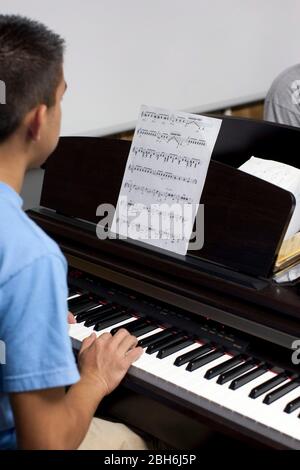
35	348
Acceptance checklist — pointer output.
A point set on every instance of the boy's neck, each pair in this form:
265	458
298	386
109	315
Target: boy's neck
12	169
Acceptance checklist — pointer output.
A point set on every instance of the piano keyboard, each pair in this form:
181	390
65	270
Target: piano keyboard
207	373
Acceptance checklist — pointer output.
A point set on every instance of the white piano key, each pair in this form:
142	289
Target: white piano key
286	398
76	330
146	362
169	360
166	365
239	399
190	381
145	359
161	367
196	382
240	402
279	418
269	415
283	401
82	332
74	296
116	325
153	332
292	396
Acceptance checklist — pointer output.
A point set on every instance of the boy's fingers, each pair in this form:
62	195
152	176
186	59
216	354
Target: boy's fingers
134	354
128	343
71	318
87	342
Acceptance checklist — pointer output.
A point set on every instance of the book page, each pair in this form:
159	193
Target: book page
164	177
282	175
289	275
289	250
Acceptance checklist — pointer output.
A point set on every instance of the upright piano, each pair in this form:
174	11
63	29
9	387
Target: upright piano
220	336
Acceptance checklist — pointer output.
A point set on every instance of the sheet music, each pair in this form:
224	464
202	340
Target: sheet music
164	177
282	175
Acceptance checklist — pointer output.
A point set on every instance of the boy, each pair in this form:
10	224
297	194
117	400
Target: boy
35	410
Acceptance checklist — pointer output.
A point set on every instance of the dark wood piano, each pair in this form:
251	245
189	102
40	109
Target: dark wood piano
217	331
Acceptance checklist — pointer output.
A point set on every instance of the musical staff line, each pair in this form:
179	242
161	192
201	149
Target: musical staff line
169	137
166	157
173	119
149	232
160	195
161	174
152	210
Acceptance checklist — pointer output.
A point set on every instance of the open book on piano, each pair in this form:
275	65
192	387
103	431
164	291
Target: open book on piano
217	332
286	177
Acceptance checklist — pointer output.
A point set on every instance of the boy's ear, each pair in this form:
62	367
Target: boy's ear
36	122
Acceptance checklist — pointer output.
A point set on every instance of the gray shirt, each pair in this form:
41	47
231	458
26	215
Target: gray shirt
282	102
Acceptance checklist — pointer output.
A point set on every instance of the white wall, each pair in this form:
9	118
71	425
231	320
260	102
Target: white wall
186	54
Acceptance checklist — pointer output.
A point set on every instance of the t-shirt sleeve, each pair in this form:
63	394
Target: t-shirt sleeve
275	112
35	329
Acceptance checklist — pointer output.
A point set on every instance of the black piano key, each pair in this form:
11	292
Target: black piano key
281	391
72	292
84	307
130	326
138	324
292	406
237	371
268	385
144	342
92	311
202	361
180	344
189	356
94	318
163	343
101	310
224	367
246	378
101	325
108	313
78	300
143	329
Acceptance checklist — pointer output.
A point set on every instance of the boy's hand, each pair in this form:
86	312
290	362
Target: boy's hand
106	359
71	318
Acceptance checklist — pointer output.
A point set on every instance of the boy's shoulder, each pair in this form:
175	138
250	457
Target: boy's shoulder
22	242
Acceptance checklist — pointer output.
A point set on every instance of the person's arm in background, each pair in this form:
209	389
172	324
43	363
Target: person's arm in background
53	419
282	103
274	112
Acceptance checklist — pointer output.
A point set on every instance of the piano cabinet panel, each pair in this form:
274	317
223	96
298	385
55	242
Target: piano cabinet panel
155	414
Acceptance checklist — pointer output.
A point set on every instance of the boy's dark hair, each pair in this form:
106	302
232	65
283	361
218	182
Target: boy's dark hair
31	58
